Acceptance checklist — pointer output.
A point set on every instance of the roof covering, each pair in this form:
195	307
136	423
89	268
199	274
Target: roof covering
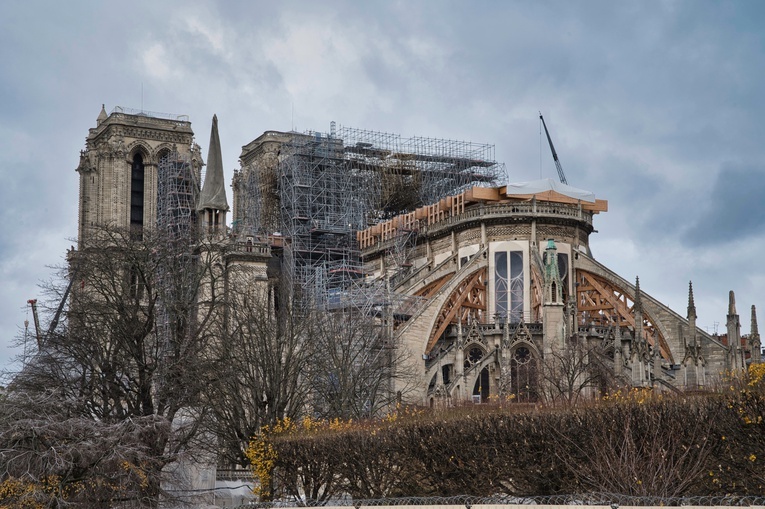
535	187
213	194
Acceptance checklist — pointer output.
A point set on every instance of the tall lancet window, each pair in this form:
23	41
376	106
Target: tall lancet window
501	290
508	284
136	192
516	286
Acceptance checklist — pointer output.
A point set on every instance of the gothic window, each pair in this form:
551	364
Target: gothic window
522	355
473	357
135	282
563	271
136	192
501	290
516	286
446	373
508	284
523	374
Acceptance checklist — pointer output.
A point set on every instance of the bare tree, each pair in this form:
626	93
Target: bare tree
643	448
573	372
280	356
263	353
130	351
355	367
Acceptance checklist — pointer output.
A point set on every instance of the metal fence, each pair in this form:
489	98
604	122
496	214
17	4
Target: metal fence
613	500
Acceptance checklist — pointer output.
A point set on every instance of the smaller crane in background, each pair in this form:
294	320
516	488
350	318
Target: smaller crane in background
561	175
33	304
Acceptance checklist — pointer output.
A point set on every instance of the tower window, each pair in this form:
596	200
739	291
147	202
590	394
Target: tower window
136	192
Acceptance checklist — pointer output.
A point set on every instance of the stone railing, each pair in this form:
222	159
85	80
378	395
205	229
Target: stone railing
510	210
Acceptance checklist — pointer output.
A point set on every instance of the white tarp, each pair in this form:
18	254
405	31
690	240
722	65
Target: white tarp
543	185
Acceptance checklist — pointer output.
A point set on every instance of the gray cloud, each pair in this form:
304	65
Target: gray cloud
648	102
734	209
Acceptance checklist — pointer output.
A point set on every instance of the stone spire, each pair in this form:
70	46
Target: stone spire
754	331
639	354
691	341
553	283
213	194
637	310
735	352
102	116
755	345
553	312
638	303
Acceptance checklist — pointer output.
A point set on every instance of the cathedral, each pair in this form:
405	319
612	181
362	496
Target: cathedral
489	289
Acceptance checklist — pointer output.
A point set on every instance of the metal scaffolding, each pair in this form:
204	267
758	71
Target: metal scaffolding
411	172
177	192
322	206
319	189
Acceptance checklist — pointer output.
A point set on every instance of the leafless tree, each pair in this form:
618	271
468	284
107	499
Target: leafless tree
129	352
262	352
356	365
652	448
573	372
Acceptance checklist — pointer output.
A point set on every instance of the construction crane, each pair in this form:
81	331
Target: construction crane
561	175
33	304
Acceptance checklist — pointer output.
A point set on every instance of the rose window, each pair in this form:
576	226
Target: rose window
474	356
522	355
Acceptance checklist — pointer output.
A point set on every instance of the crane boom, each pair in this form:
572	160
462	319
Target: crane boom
561	175
33	304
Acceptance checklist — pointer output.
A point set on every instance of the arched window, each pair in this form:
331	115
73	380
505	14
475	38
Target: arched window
508	284
523	374
136	192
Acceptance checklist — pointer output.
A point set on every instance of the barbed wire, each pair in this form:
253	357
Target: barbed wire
599	498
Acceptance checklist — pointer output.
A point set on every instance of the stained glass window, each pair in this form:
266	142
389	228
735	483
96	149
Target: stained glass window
508	285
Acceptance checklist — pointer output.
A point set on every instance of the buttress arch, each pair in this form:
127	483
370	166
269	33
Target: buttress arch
467	299
604	302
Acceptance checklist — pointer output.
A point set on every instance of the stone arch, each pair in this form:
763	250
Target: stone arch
472	375
162	150
143	148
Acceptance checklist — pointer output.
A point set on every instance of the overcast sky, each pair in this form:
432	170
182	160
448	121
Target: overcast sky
656	106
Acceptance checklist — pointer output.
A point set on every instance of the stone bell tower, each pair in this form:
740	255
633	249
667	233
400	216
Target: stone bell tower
119	166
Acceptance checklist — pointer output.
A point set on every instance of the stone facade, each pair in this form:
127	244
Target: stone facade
489	328
503	284
119	141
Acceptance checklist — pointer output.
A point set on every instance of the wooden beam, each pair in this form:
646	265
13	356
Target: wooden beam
453	305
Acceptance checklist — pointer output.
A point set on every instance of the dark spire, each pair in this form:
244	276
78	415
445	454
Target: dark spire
691	304
213	194
754	331
638	303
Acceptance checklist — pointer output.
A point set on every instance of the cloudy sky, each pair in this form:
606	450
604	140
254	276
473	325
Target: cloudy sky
656	106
